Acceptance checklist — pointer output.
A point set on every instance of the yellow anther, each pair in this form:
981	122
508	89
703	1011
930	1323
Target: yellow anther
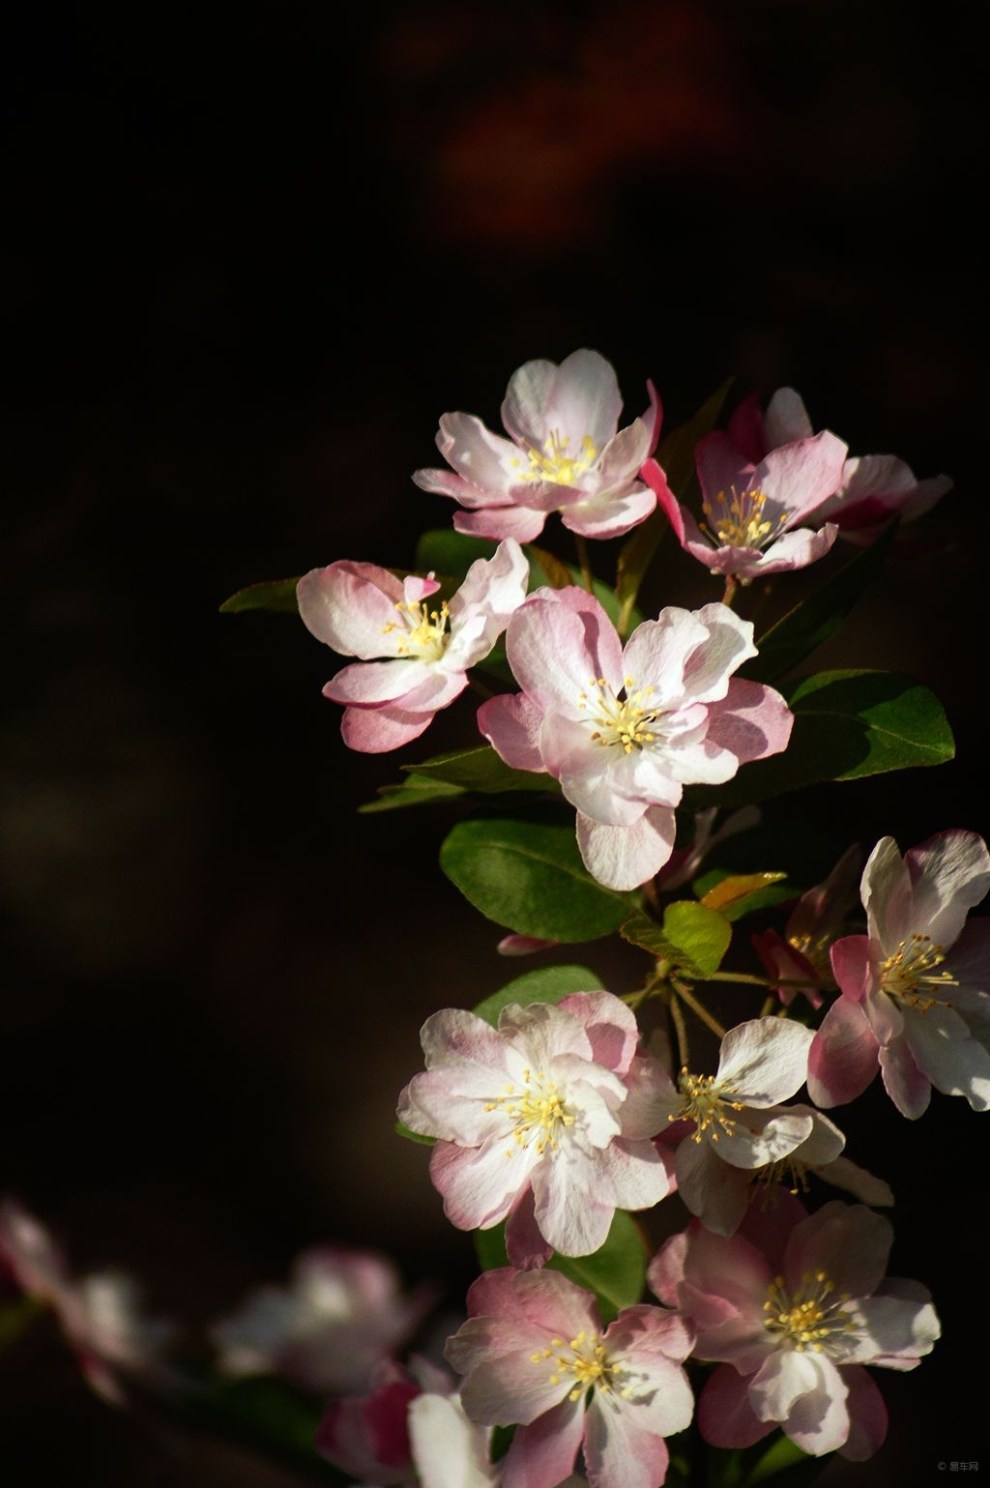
911	967
736	519
554	463
707	1104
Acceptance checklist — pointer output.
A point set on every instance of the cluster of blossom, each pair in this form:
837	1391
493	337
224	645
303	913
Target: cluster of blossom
560	1116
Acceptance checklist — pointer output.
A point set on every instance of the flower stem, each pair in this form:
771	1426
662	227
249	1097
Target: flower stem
680	1030
698	1008
729	592
585	562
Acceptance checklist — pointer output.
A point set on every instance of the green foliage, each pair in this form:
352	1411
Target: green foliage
529	877
615	1274
549	984
478	770
692	938
819	616
847	724
276	595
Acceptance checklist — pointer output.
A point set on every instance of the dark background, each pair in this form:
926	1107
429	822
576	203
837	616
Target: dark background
249	258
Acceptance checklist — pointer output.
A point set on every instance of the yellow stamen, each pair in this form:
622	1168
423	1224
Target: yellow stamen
912	966
736	519
705	1103
811	1317
553	463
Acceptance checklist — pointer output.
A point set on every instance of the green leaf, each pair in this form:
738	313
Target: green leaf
277	595
676	456
481	769
549	984
738	894
819	616
411	1136
444	551
847	725
529	877
786	1462
616	1273
699	937
415	790
694	939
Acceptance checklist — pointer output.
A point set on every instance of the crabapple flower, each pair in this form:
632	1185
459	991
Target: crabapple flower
411	1430
755	515
723	1197
414	660
873	488
100	1314
625	729
540	1122
565	453
733	1119
801	954
342	1314
791	1309
534	1354
915	990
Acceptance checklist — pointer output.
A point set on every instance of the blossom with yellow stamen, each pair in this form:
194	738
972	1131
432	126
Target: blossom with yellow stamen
915	990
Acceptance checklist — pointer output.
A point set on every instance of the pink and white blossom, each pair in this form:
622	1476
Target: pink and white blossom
731	1125
791	1309
414	658
539	1122
100	1313
565	452
342	1314
756	517
534	1354
801	954
720	1193
411	1430
624	729
915	989
873	488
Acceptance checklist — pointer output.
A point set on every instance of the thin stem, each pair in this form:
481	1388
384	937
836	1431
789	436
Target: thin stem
748	980
585	562
767	1007
680	1030
729	593
481	688
699	1009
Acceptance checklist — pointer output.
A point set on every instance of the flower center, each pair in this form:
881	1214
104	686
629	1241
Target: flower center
626	721
705	1104
423	631
554	463
736	519
588	1362
912	966
537	1112
811	1317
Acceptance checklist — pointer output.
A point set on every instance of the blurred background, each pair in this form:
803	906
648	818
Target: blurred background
248	261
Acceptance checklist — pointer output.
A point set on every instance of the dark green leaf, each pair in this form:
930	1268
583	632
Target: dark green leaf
278	595
549	984
819	616
847	725
529	877
444	551
481	769
415	790
615	1274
